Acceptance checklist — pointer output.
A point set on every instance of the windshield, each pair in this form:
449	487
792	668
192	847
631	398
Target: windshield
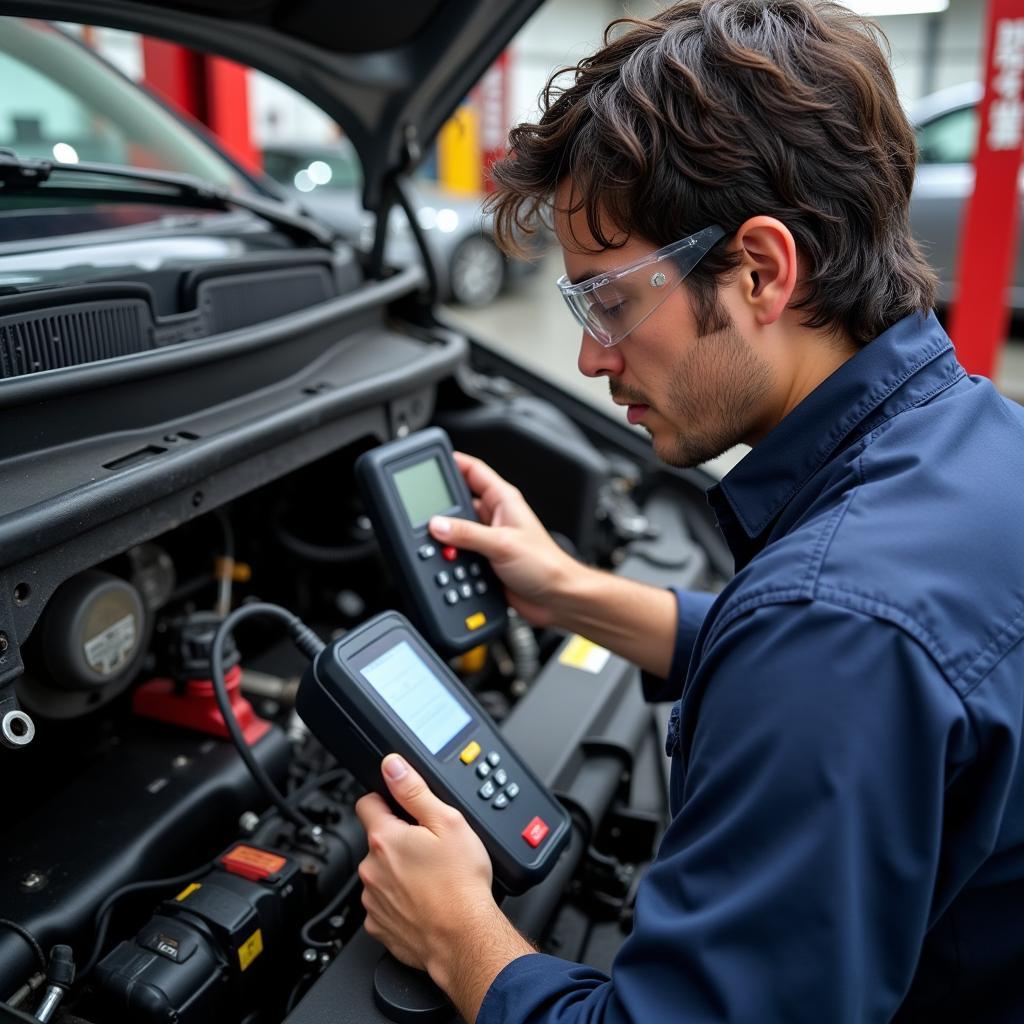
58	101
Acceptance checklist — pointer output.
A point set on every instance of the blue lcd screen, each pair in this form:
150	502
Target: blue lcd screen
417	696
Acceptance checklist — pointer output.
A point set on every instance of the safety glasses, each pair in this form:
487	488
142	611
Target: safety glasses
612	304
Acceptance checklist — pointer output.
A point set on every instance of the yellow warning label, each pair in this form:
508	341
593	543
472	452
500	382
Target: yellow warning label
187	891
250	949
583	654
475	621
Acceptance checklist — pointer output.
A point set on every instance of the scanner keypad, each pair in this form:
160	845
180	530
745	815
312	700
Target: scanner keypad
496	788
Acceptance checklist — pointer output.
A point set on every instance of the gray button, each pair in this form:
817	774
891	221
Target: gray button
512	790
465	590
487	790
480	587
474	568
460	572
500	802
427	551
443	579
494	759
483	769
500	776
451	597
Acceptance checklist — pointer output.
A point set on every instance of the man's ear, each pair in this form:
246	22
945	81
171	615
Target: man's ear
768	273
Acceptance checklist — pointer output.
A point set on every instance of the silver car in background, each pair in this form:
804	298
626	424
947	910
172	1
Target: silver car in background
470	268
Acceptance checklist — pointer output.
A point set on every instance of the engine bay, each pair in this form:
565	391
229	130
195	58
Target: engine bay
146	876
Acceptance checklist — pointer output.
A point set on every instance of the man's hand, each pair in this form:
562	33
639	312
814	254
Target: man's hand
427	890
522	553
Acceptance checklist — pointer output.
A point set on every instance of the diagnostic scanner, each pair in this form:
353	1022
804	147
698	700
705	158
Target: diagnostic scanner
381	688
454	596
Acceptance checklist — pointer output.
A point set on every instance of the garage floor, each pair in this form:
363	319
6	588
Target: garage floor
530	323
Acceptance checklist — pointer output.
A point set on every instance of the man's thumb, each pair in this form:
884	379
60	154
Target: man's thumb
408	788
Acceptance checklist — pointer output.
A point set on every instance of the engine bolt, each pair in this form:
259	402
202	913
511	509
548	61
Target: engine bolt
4	642
33	880
309	955
249	822
180	761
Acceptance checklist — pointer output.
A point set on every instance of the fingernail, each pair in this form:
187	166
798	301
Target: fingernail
394	767
441	525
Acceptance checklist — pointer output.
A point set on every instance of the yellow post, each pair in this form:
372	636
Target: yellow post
458	152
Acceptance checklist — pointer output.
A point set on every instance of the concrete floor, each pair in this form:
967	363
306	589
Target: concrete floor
531	324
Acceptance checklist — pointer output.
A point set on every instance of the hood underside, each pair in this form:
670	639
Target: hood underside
390	75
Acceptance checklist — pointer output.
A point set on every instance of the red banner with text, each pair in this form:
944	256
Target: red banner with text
988	241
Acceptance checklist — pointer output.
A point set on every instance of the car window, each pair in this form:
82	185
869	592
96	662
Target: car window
950	138
310	168
58	101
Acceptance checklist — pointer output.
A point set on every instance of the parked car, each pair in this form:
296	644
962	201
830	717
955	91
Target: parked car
189	369
470	267
947	136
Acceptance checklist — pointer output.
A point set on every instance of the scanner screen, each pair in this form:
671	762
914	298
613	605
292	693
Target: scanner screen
423	490
417	696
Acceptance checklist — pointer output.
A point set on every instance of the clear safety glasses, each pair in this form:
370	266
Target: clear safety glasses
610	305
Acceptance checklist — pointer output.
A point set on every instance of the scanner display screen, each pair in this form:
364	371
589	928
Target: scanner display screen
423	490
417	696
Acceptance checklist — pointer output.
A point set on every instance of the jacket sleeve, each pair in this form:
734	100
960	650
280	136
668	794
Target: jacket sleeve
795	881
691	608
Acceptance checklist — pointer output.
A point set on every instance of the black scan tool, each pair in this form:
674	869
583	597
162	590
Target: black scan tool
381	688
454	596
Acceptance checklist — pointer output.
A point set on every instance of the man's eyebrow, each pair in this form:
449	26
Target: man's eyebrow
585	276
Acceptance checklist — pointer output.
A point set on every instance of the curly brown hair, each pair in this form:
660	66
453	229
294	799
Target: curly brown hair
714	111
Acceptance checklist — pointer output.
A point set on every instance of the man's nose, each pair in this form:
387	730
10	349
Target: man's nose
597	361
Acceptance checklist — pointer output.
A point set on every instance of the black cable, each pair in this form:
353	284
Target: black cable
310	644
103	914
343	894
29	938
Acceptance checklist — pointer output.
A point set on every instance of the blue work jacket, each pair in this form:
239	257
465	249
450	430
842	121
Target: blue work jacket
847	833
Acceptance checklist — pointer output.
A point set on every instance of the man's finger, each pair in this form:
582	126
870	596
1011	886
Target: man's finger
372	810
479	476
412	793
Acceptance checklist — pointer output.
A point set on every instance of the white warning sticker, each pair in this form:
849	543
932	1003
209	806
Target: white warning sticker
108	651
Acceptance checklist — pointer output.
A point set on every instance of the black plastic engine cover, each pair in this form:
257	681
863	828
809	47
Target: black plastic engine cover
161	801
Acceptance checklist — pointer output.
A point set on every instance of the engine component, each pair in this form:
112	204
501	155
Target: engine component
93	631
90	642
60	975
188	698
215	946
154	802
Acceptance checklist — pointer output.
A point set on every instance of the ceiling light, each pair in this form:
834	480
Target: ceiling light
891	8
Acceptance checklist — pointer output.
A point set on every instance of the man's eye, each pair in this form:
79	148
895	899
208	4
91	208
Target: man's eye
614	311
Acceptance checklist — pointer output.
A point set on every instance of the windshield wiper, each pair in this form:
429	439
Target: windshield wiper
26	174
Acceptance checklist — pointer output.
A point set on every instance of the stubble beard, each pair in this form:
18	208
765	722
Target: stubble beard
715	389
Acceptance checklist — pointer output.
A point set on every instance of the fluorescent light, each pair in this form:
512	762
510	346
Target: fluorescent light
891	8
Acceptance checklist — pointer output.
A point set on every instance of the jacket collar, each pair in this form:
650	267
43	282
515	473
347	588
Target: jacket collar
900	368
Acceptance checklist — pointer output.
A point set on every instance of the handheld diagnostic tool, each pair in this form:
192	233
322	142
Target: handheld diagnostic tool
454	595
381	688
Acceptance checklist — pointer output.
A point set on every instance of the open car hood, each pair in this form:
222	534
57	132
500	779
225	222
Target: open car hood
389	75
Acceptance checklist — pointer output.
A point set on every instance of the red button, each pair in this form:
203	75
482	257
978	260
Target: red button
535	832
449	554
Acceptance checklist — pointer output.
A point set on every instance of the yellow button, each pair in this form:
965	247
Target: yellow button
471	753
476	621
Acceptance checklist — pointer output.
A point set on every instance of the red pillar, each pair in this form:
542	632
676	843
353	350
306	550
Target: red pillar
213	90
988	243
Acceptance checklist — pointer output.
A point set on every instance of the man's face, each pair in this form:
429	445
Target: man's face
696	395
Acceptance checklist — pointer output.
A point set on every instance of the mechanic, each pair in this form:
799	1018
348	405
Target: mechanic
847	839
